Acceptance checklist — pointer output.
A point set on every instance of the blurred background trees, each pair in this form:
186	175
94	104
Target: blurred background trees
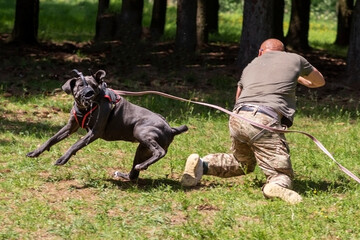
196	19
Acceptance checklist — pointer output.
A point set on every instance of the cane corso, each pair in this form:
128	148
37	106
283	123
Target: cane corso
108	116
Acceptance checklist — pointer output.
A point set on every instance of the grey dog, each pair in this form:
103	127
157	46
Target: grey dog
108	116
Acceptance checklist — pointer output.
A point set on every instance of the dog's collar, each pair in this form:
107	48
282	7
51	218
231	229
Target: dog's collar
82	115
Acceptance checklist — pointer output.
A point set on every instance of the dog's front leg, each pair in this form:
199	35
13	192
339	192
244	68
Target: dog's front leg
66	131
87	139
93	134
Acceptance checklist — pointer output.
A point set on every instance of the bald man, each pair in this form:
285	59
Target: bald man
266	95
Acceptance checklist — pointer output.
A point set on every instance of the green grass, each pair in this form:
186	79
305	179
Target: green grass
81	200
67	20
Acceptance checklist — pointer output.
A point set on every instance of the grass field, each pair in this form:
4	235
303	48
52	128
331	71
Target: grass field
81	200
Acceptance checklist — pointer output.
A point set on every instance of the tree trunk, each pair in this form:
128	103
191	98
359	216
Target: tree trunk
186	25
344	12
202	30
129	21
103	6
353	58
297	37
212	15
105	22
279	20
158	19
26	21
257	27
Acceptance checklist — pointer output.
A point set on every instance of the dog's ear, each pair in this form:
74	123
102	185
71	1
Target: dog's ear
69	85
99	75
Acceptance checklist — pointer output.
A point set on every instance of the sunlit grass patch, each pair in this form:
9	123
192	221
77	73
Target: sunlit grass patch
82	199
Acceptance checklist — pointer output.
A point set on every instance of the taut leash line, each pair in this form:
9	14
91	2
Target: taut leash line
317	142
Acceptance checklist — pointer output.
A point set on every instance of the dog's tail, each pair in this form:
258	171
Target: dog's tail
179	130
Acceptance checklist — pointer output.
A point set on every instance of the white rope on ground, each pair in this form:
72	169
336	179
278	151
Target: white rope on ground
317	142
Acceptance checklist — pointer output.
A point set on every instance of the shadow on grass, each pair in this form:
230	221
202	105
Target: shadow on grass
145	184
17	127
304	187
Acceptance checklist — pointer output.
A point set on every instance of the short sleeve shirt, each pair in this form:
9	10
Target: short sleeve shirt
271	79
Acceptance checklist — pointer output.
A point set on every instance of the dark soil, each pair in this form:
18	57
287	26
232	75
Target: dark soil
43	68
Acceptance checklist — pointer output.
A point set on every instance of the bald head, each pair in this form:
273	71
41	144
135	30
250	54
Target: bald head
271	44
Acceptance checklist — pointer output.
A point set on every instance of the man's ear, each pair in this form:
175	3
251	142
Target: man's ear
69	85
99	75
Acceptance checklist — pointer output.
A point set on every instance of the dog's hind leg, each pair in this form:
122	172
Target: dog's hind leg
146	154
157	153
142	154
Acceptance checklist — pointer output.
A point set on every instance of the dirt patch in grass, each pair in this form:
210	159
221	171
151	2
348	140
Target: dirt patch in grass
59	192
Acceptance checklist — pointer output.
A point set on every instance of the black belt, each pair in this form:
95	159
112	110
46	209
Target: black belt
260	109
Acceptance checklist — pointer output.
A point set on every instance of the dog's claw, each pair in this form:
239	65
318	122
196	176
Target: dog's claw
31	154
125	176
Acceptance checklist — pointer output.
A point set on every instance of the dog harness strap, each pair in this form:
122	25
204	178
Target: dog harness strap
80	117
112	96
75	115
86	115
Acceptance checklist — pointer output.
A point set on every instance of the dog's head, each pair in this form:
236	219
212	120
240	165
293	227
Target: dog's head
85	88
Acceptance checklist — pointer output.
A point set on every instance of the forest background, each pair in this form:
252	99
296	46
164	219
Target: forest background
82	200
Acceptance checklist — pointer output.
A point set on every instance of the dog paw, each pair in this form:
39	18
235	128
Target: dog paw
118	174
33	154
61	161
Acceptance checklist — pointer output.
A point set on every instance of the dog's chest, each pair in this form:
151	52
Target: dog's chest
84	117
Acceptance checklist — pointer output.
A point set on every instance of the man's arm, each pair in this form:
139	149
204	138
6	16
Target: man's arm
238	92
314	80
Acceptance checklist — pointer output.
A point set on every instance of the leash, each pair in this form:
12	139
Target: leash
317	142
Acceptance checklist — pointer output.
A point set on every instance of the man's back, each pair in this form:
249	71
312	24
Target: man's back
271	79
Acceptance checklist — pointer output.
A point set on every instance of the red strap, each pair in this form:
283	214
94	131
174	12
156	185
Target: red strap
317	142
74	113
108	97
86	115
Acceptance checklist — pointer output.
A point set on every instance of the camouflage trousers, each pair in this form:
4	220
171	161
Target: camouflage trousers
250	146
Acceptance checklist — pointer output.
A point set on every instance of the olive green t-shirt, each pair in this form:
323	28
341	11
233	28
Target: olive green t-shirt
271	79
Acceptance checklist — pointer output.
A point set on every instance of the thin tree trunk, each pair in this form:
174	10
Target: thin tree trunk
105	22
26	21
344	14
353	58
186	26
158	19
257	27
297	37
103	6
129	21
279	19
212	15
202	30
